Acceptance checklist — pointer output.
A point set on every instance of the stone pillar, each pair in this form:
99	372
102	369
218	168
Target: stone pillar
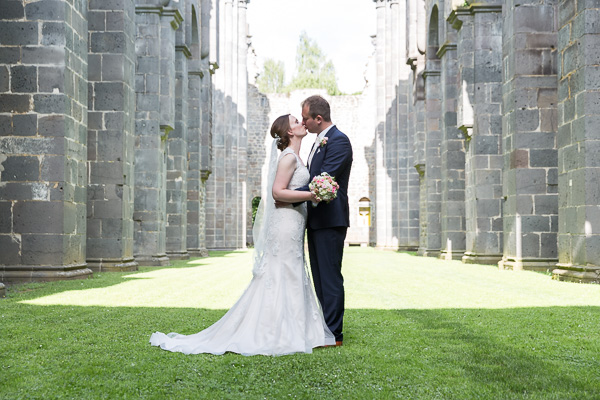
199	106
383	182
480	119
530	179
430	180
407	176
155	50
244	200
177	159
452	156
193	149
579	142
215	184
111	108
43	140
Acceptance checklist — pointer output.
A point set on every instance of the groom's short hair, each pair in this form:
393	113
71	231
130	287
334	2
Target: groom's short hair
318	106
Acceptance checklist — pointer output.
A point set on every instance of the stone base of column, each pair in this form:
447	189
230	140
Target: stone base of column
178	255
573	273
384	247
451	255
112	264
428	252
43	273
2	290
475	258
159	260
408	248
529	264
197	253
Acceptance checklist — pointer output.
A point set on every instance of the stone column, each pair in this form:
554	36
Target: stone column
452	156
111	119
43	140
431	184
177	159
198	128
245	205
407	176
579	142
480	119
530	183
383	182
155	50
215	185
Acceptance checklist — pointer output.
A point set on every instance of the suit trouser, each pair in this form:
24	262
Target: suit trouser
325	250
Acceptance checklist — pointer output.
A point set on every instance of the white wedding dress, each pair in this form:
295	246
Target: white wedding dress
278	313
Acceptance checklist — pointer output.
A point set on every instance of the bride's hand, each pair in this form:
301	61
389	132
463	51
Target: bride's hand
313	198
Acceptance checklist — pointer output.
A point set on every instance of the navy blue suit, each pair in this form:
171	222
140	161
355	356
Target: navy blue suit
326	228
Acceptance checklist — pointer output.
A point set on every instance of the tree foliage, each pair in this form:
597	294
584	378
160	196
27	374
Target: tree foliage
271	80
313	70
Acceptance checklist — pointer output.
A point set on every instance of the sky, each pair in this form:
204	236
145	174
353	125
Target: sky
341	28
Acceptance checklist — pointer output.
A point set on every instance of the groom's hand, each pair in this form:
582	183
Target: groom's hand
281	204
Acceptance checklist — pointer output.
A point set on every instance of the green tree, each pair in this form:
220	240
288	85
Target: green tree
272	77
313	70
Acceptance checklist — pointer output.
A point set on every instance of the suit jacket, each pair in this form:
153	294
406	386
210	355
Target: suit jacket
335	158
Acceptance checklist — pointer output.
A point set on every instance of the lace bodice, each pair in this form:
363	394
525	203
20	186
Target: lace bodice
301	174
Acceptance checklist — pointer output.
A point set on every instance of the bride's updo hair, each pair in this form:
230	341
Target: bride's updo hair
280	129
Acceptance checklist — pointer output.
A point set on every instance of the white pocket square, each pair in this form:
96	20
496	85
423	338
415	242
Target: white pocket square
318	151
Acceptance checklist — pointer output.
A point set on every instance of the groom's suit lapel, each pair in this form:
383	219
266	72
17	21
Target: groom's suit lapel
317	159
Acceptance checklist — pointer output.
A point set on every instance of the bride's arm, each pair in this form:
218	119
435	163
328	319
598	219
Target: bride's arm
285	171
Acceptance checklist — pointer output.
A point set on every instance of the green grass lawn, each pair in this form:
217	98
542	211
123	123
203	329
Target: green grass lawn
415	328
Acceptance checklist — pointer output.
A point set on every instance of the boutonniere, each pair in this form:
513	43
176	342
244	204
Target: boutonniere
323	141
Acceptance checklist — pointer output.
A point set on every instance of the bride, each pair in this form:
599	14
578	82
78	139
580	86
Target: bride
278	312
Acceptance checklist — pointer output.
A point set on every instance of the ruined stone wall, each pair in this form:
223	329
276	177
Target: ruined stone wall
94	105
43	140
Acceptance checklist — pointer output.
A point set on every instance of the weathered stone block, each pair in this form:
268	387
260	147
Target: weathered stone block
530	181
109	96
20	168
51	103
543	158
113	67
24	124
49	10
11	250
19	33
53	34
53	168
51	79
42	249
54	55
107	5
14	103
4	79
52	125
38	217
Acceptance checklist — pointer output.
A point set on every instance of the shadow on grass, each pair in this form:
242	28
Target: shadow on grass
445	353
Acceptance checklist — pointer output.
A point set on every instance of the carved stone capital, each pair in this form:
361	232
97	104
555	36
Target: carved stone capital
445	48
204	174
185	50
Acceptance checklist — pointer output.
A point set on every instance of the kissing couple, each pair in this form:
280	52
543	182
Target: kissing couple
278	314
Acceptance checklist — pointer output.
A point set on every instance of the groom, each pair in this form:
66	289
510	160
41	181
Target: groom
328	222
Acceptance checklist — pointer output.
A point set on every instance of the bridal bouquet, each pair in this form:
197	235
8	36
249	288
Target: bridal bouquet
324	187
